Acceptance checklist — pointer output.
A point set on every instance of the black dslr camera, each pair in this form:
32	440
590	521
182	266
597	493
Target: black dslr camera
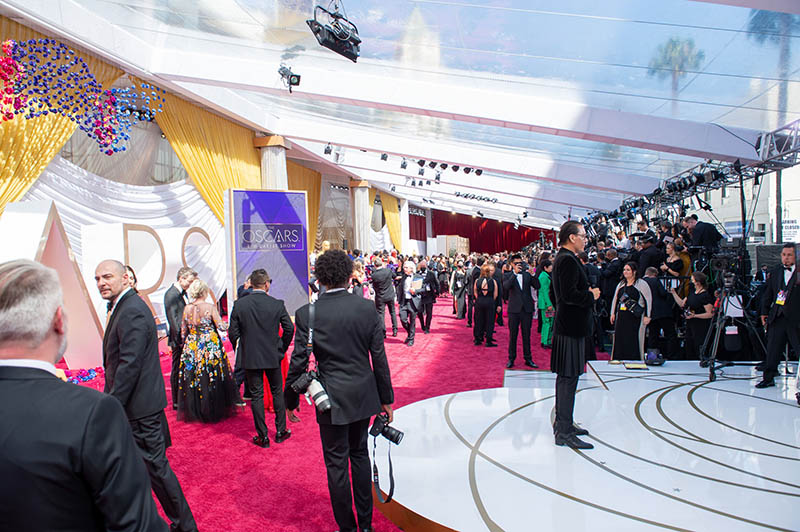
381	427
309	382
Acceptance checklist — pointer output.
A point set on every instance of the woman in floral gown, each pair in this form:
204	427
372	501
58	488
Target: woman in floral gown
207	390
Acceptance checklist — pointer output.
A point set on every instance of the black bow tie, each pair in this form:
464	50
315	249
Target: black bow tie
788	268
109	306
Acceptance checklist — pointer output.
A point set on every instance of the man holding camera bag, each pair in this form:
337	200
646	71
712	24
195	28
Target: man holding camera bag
347	333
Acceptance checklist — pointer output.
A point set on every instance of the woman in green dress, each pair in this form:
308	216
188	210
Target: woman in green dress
545	303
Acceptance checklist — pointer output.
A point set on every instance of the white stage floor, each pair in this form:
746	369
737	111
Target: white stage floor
671	452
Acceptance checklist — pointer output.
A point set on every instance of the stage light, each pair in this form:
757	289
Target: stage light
480	214
328	149
685	183
428	182
737	166
657	191
467	170
289	78
443	166
404	164
421	162
478	171
455	168
421	171
432	164
384	157
525	214
438	177
413	183
339	35
699	178
713	175
392	189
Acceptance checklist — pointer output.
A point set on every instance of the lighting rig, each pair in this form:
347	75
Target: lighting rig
334	31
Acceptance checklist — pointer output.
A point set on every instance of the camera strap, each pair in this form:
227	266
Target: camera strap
375	477
310	343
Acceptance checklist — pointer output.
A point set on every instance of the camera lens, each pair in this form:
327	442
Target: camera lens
392	434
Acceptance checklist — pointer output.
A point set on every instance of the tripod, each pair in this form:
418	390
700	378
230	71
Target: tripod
718	324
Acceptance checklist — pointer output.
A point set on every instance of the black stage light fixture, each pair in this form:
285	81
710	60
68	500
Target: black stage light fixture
421	162
432	164
413	183
428	182
328	149
438	177
384	157
289	78
455	168
657	191
404	164
525	214
421	171
713	175
443	166
392	189
478	171
479	213
467	170
699	178
737	166
335	32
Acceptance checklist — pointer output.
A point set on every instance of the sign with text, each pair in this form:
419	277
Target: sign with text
269	230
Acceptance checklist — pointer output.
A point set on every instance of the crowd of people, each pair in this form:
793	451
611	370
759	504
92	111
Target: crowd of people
640	289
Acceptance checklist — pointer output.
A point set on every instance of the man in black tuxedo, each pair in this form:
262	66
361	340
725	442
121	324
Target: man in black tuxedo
517	284
650	255
661	316
175	300
703	234
355	373
409	302
67	457
472	276
383	284
253	328
430	287
780	314
133	376
498	276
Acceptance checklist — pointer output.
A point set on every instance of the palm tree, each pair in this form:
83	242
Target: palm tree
675	58
776	28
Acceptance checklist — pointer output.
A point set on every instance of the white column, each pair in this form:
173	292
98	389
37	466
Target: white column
405	226
273	162
361	215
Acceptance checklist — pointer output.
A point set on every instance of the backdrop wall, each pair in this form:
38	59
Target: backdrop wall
486	236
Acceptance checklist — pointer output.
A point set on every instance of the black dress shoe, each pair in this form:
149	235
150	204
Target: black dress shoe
531	364
477	342
246	397
426	331
509	364
760	367
261	442
572	441
394	334
281	437
491	344
469	325
406	341
410	343
576	430
705	363
766	383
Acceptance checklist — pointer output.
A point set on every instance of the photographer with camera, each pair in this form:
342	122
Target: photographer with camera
346	334
630	314
698	309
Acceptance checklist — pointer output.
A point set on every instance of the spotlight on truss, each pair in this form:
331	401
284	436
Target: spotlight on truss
335	32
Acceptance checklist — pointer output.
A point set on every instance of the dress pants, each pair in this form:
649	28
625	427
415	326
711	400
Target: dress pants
151	434
566	388
484	322
380	305
255	381
425	315
408	319
239	375
517	320
342	444
174	375
670	349
779	332
470	309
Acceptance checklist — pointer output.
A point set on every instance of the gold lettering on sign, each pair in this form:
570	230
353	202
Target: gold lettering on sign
144	293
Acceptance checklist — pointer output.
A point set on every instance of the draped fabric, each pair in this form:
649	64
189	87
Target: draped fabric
86	199
391	211
373	192
487	236
216	153
336	216
302	178
416	228
380	240
28	146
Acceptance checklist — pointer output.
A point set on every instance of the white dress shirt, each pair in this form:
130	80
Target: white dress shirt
29	363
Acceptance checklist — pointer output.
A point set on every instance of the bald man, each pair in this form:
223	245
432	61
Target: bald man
133	376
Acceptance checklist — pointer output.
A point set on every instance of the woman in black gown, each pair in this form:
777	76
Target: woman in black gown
487	305
458	287
631	314
672	267
698	310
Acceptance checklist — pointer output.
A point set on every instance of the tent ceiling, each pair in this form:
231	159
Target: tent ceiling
538	94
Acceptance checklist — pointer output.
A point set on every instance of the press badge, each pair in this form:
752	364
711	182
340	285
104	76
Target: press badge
781	299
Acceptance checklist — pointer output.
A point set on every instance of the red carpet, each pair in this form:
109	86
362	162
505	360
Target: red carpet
233	485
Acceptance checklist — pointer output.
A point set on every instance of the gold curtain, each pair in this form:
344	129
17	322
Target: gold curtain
216	153
372	193
392	213
302	178
28	146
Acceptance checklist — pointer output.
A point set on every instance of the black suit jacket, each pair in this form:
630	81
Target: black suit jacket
416	299
383	283
130	358
347	334
662	300
593	274
705	235
651	256
573	300
609	278
173	306
775	283
519	299
68	460
254	322
430	286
